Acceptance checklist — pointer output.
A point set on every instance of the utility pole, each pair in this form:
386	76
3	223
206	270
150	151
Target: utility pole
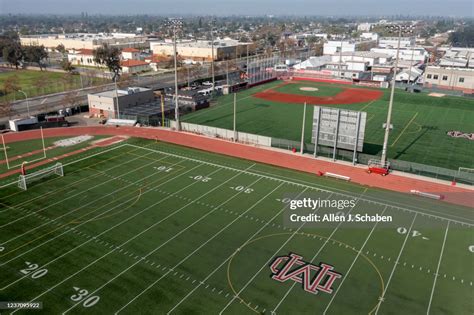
27	102
212	56
383	160
175	25
340	57
302	129
235	117
116	97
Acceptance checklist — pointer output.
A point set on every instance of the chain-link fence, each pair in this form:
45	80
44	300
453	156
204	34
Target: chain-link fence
460	176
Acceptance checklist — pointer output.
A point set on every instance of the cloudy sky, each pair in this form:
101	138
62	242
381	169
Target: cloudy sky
243	7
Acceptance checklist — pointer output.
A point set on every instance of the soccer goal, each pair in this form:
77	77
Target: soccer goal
25	180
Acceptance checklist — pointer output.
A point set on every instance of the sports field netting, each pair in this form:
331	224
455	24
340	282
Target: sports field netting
158	228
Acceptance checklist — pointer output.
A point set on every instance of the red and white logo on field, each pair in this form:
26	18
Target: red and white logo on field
313	277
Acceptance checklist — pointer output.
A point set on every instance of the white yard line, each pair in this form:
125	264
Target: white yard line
316	255
228	258
134	237
296	183
352	265
437	269
75	161
83	205
120	223
121	245
201	246
72	183
397	261
77	194
267	263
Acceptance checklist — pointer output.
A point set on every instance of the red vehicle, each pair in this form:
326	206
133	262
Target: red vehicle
375	166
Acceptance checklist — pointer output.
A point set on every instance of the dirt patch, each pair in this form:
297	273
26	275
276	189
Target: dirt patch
437	94
309	89
347	96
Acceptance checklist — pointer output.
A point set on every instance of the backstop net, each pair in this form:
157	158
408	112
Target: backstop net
25	180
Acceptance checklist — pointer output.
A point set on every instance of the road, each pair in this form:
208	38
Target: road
54	102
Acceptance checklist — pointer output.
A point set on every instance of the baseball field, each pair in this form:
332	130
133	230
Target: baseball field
145	227
420	122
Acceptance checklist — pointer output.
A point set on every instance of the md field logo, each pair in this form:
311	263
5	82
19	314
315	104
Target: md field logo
314	278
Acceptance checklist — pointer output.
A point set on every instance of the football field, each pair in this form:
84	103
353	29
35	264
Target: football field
147	227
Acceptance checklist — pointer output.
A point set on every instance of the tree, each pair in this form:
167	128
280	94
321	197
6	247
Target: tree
463	37
6	108
60	48
13	54
36	54
70	99
109	57
67	66
11	84
41	82
8	38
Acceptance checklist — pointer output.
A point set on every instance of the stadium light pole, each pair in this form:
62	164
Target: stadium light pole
175	25
401	29
340	57
27	102
211	23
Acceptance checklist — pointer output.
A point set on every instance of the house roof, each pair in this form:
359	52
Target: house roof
130	50
85	51
157	58
133	63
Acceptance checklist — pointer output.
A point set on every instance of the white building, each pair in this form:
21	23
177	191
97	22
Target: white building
364	27
84	40
370	36
372	58
417	54
313	63
82	57
134	66
104	104
202	50
392	42
460	79
130	53
336	46
408	75
457	57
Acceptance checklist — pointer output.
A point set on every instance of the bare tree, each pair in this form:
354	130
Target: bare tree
6	108
11	84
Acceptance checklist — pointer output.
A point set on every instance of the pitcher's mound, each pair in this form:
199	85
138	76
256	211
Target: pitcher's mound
309	89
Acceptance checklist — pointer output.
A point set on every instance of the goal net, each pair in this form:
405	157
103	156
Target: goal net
25	180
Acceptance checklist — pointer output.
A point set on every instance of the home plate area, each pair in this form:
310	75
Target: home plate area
156	228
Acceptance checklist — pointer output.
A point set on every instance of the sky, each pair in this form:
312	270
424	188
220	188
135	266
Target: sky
243	7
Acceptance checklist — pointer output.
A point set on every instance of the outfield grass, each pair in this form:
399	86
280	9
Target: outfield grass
420	122
151	228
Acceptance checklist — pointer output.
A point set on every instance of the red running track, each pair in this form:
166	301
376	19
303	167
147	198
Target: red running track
452	194
347	96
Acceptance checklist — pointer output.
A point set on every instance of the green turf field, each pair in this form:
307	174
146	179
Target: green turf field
420	122
146	227
17	152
